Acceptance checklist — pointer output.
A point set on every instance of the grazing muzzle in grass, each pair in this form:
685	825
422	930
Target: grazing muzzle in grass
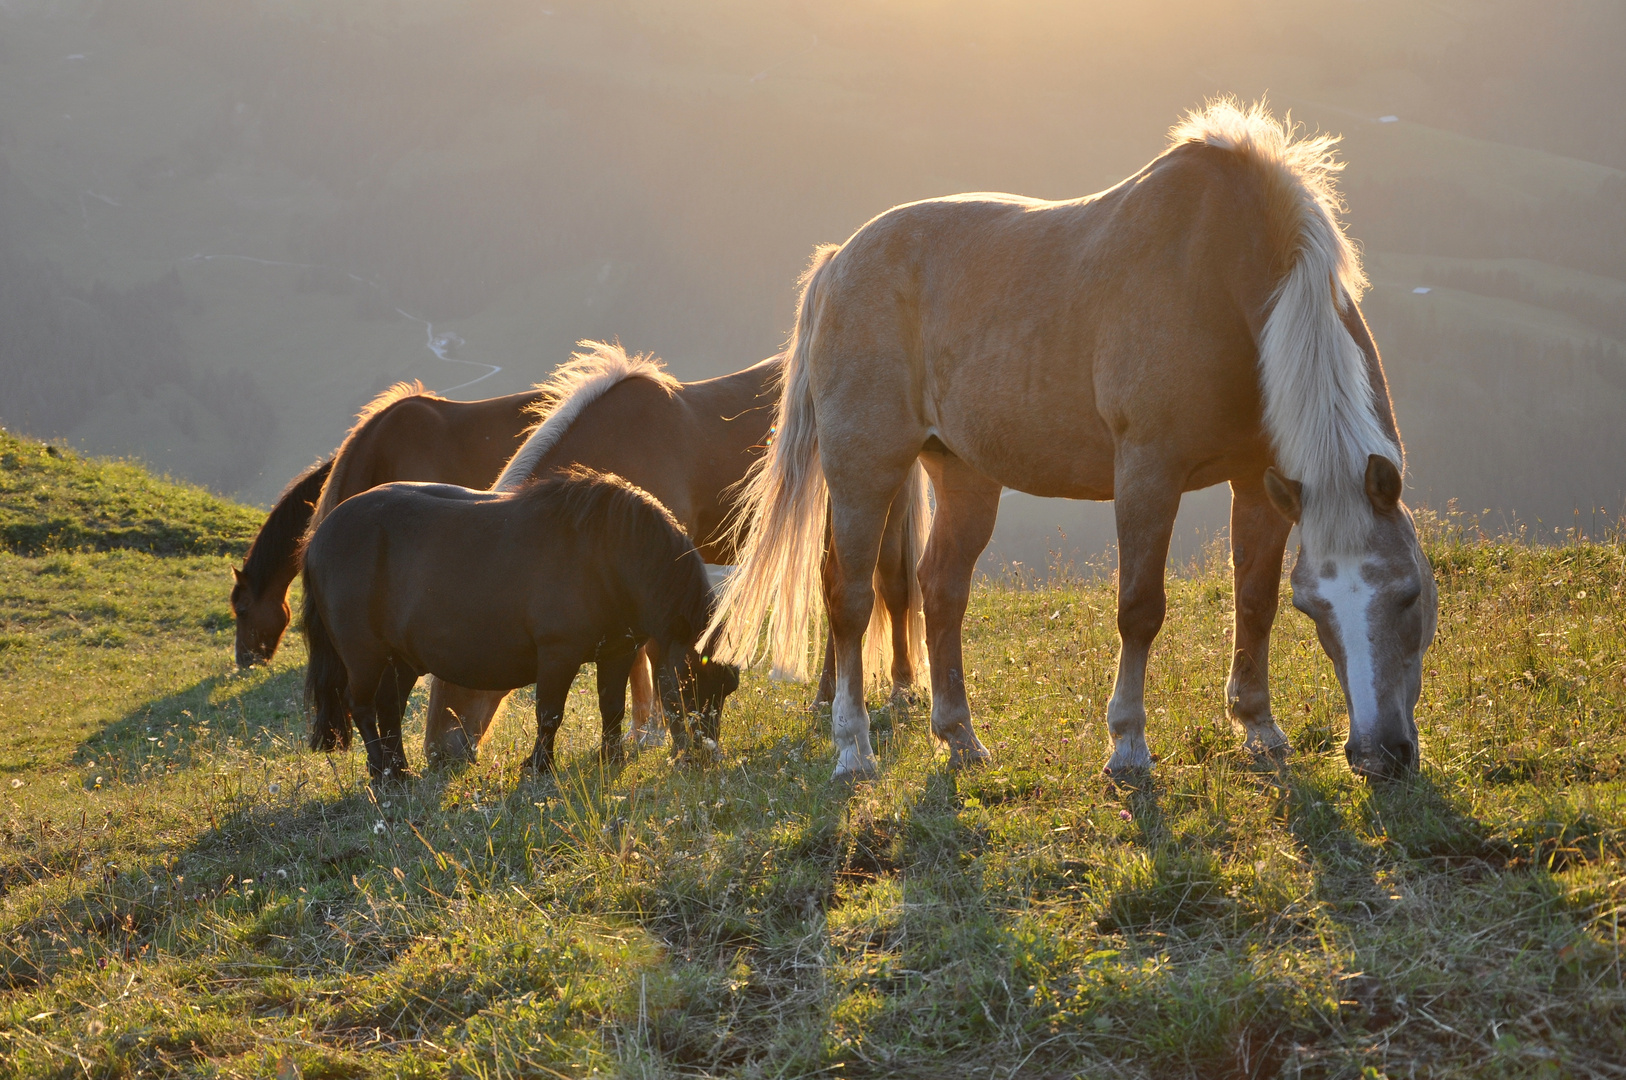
1375	609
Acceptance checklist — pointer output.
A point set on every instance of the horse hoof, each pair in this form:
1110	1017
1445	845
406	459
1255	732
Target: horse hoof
848	775
966	757
539	766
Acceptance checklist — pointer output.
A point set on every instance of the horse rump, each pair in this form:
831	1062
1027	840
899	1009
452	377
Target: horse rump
326	679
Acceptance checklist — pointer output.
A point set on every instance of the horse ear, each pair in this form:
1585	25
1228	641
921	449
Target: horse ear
1287	496
236	576
1382	483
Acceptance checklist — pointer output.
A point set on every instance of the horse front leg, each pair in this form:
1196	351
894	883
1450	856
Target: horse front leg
1145	502
554	674
614	663
967	508
458	721
1258	542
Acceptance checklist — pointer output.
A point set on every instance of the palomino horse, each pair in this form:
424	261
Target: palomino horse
1193	324
495	591
689	445
405	433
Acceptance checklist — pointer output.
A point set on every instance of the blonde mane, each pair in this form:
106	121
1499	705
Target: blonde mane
587	376
1319	405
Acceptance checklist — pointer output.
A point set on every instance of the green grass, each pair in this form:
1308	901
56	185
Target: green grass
184	890
52	499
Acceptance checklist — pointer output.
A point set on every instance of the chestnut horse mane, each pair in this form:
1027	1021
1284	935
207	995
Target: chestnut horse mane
285	526
342	456
588	375
1319	405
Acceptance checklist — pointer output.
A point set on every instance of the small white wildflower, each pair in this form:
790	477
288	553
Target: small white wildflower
283	874
378	827
275	789
16	783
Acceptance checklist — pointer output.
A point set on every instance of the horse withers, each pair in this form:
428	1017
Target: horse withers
1196	323
495	591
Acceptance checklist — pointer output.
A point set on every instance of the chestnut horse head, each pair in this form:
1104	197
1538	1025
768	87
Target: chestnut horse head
259	594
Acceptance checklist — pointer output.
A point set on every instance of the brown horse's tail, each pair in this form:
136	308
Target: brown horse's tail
779	521
326	678
916	508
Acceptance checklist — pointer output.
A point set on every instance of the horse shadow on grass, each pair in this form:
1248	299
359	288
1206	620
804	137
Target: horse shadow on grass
258	710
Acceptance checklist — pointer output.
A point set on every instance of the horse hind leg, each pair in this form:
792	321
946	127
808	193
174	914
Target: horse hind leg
646	710
860	495
967	508
893	577
458	721
389	702
1258	542
1145	502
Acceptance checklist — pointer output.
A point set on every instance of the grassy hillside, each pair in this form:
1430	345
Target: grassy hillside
51	499
184	890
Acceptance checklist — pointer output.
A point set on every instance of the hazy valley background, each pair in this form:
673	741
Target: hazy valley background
224	227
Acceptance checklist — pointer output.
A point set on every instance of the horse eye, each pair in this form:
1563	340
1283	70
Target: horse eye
1409	597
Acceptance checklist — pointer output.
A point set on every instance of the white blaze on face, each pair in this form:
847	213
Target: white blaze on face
1351	596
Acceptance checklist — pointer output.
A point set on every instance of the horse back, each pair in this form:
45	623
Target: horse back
1035	339
687	449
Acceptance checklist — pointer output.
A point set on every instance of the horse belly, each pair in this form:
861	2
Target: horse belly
1044	438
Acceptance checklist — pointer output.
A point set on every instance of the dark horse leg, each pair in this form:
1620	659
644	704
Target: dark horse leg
372	684
967	507
614	661
554	674
1145	501
389	703
1258	541
894	576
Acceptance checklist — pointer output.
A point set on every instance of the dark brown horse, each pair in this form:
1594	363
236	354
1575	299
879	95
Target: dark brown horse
689	445
405	433
496	591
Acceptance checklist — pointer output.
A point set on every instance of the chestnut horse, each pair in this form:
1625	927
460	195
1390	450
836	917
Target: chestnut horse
405	433
1193	324
689	445
495	591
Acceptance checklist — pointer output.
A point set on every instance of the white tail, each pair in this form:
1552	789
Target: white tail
779	528
780	520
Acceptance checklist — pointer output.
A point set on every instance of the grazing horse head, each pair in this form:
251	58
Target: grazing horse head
261	620
1375	608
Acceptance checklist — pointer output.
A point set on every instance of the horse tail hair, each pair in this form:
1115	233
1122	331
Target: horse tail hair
779	521
588	375
1320	407
915	505
342	481
326	678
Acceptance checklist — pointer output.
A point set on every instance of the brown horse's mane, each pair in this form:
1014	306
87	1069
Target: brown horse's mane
630	521
369	412
284	528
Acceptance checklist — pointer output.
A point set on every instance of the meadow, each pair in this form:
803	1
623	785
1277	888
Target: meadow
185	890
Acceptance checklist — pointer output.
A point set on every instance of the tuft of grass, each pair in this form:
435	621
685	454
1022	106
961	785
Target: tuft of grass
185	890
51	499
